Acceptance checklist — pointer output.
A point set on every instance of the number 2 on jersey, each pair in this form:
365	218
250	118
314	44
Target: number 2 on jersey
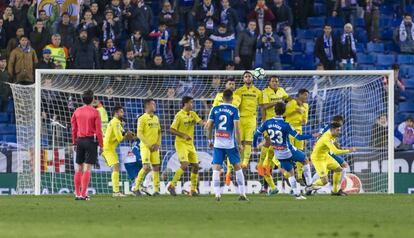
277	134
223	121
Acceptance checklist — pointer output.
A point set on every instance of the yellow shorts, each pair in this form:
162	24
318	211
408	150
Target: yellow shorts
111	157
186	153
323	166
149	157
300	144
247	128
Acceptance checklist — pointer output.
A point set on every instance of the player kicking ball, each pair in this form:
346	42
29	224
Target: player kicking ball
225	119
113	136
279	130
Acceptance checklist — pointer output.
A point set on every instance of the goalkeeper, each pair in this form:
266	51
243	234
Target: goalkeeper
113	136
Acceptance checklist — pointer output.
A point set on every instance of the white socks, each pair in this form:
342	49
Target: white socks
292	181
216	182
240	182
308	174
343	174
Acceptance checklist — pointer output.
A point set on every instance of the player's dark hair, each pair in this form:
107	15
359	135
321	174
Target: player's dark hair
148	101
335	125
338	118
227	94
186	99
409	118
302	91
407	14
247	72
117	108
280	108
230	79
87	97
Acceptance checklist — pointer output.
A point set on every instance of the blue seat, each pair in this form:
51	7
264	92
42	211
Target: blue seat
3	129
286	59
385	60
375	47
408	94
366	67
4	117
304	62
319	9
360	47
10	138
309	47
316	21
386	34
335	21
386	9
385	22
361	35
298	46
359	22
405	59
409	84
406	107
304	34
407	71
365	58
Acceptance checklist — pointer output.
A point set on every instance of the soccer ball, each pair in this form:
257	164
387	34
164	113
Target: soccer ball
259	73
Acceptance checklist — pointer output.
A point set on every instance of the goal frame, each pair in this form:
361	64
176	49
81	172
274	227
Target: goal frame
387	73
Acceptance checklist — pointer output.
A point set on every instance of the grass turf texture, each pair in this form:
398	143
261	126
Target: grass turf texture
280	216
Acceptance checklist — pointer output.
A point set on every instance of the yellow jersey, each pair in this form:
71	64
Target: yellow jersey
104	119
324	145
295	118
250	97
113	134
149	130
272	96
219	100
184	122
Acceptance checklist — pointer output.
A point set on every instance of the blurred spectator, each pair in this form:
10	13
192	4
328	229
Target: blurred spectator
111	29
115	61
228	16
22	61
261	14
225	42
83	53
187	60
190	40
60	54
14	42
379	133
139	17
186	10
3	38
347	9
117	10
348	47
269	44
404	35
46	61
47	20
208	58
372	18
242	8
96	14
10	23
5	91
283	21
170	17
398	85
139	47
131	62
230	66
208	14
39	37
158	63
66	30
202	34
246	47
20	8
89	24
300	11
108	50
327	49
162	43
406	131
97	47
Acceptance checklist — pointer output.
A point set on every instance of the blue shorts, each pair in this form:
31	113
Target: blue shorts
297	156
219	155
338	159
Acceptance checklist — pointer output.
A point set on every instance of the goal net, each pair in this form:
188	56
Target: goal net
43	112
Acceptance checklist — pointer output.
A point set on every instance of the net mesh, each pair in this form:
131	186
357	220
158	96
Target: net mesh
360	99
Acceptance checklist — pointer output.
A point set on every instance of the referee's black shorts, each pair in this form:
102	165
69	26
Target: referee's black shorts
86	150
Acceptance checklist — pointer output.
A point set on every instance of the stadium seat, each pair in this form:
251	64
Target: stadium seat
366	67
385	22
409	84
386	34
366	58
316	21
408	94
335	21
3	129
4	117
405	59
309	47
375	47
407	71
319	9
10	138
286	59
360	22
385	60
304	34
361	35
406	107
304	62
386	9
360	47
298	46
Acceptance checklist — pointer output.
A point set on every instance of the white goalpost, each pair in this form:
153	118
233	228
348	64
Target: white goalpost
43	111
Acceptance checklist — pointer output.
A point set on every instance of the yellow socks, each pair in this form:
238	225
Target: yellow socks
177	176
115	181
336	178
270	181
246	157
299	170
263	155
319	183
229	167
139	179
156	181
194	181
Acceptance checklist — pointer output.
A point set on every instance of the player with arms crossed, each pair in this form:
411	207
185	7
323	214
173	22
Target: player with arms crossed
251	97
227	142
218	100
113	136
183	129
297	115
324	162
149	134
279	131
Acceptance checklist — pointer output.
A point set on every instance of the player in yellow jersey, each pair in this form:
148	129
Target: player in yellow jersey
323	161
230	84
149	134
271	95
113	136
297	115
251	98
183	129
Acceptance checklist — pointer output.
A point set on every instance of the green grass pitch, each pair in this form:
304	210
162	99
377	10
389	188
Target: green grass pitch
321	216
